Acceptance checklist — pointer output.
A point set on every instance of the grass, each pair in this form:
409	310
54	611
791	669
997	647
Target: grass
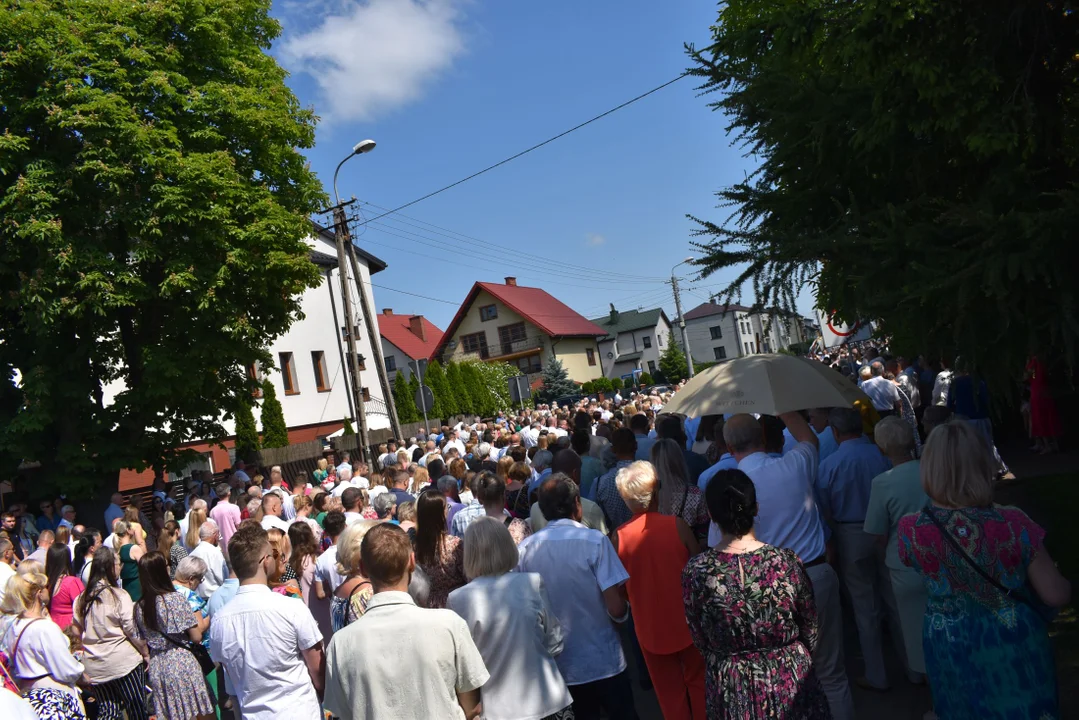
1051	501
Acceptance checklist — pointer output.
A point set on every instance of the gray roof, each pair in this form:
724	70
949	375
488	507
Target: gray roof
710	308
626	357
374	264
629	320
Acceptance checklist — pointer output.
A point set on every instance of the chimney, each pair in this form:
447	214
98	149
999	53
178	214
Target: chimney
511	281
387	311
415	324
614	315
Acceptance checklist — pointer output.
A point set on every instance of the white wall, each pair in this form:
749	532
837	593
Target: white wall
316	331
702	345
400	358
633	341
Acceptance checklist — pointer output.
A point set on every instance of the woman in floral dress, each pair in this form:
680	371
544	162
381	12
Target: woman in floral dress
751	614
677	496
987	651
439	554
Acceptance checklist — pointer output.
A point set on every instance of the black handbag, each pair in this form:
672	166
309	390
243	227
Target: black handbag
202	655
1046	613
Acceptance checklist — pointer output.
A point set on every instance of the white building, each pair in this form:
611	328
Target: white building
310	375
635	339
720	332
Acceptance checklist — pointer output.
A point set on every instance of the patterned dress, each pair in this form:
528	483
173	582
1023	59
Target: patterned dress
179	690
986	656
753	618
448	573
687	502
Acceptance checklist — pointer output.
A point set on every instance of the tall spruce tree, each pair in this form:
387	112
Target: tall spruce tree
274	430
247	435
673	361
462	397
435	378
402	397
556	382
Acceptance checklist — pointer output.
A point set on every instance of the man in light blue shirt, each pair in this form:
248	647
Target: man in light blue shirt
843	486
788	517
826	444
639	425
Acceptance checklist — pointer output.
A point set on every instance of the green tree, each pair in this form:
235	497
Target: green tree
556	382
616	384
274	430
247	435
435	378
672	362
156	199
495	376
463	400
588	387
413	388
348	429
922	182
602	384
404	400
646	379
484	403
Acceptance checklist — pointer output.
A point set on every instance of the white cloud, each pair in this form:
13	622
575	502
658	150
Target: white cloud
372	57
594	239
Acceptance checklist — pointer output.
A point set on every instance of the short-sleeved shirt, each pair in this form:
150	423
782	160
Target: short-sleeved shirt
726	462
577	565
434	644
845	478
259	638
326	569
882	392
895	493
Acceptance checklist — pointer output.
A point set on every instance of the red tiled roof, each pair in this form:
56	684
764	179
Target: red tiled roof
537	306
397	329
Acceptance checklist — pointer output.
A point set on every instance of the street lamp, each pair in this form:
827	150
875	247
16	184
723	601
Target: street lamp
363	146
681	320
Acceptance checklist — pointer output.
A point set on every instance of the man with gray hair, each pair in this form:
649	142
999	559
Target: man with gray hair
844	482
385	506
541	469
208	551
789	518
67	517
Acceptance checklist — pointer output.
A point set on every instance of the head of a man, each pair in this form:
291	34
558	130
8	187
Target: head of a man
542	460
209	532
46	539
385	505
639	424
350	499
624	444
846	423
7	522
117	499
866	373
877	368
447	485
271	504
250	553
275	476
743	435
400	480
560	498
818	418
47	508
7	551
568	463
223	490
386	557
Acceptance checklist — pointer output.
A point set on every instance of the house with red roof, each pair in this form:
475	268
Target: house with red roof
523	326
406	339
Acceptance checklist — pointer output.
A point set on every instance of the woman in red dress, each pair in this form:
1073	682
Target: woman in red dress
1044	420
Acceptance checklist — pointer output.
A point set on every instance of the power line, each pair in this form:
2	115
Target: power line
537	146
406	292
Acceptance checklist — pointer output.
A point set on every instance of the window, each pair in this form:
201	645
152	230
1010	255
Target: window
488	312
391	363
318	364
747	347
344	332
475	343
528	364
716	332
651	366
366	394
591	355
288	373
647	340
360	360
720	353
254	372
512	333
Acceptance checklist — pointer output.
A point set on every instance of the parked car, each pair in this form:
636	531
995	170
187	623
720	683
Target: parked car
568	400
658	389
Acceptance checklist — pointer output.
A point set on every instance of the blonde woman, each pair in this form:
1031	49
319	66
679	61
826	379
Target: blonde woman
138	535
376	486
42	662
319	475
986	570
195	519
129	553
420	480
304	508
351	597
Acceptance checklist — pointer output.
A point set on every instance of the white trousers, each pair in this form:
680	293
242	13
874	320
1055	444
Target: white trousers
828	656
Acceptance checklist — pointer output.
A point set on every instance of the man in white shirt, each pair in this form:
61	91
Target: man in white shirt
271	512
455	442
326	565
350	501
881	391
413	446
7	564
789	518
364	659
208	551
584	579
269	645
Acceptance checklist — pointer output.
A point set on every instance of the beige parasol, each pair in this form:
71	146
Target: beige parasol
765	384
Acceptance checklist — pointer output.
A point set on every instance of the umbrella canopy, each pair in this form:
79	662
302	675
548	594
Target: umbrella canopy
765	384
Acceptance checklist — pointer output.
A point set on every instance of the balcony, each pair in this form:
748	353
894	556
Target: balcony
502	351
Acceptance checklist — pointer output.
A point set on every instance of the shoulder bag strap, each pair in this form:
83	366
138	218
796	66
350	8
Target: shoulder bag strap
970	561
18	639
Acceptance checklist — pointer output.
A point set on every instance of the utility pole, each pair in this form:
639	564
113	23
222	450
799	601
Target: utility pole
682	323
342	237
376	344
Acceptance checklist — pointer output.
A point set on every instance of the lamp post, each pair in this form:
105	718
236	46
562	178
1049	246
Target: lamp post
682	320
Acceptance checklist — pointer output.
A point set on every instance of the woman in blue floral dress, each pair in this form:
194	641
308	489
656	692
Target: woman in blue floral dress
987	652
751	614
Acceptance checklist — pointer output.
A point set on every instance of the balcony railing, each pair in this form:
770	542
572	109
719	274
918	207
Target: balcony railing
503	349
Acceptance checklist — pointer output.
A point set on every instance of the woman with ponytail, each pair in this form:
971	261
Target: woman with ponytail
751	614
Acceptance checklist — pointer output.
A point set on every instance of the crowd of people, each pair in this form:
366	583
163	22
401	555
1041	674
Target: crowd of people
506	569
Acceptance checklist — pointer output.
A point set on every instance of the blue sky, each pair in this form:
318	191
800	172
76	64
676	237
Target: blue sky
447	87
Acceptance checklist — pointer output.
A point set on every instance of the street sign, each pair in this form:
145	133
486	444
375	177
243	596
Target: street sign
519	389
835	333
424	399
